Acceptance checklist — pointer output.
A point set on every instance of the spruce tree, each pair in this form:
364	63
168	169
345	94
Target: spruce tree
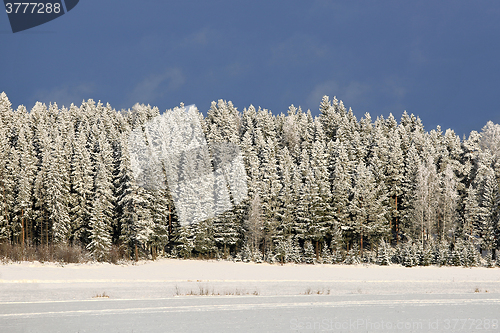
309	254
286	198
24	185
341	186
369	220
254	225
100	222
103	200
326	255
134	218
488	211
4	234
323	223
448	203
81	188
100	233
394	179
383	255
270	188
185	242
411	223
58	191
203	239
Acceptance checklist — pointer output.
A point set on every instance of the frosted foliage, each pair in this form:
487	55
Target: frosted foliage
171	149
490	138
144	162
229	161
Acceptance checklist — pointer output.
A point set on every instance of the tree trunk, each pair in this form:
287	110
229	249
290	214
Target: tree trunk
22	228
390	229
361	247
169	220
317	250
47	233
422	234
397	224
5	203
41	228
28	228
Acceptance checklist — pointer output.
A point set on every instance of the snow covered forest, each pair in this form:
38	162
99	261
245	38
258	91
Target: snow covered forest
328	189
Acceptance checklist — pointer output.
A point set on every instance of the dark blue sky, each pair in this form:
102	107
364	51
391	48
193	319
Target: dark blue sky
437	59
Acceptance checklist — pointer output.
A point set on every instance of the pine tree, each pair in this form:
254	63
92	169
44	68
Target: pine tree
8	170
441	252
410	223
337	255
223	122
226	231
283	250
329	117
426	251
290	132
254	224
185	242
309	253
12	229
302	191
103	201
472	256
4	232
326	255
490	138
456	257
158	206
448	203
341	185
226	228
367	208
58	190
489	262
286	197
270	188
352	257
383	256
6	112
470	158
134	218
100	223
81	189
323	224
426	199
203	239
252	164
410	256
40	190
394	179
24	185
100	237
488	211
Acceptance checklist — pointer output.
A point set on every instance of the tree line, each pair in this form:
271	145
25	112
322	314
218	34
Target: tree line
330	188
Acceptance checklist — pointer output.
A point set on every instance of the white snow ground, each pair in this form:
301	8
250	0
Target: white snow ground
219	296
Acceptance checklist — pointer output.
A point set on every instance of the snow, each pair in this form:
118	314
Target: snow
220	296
172	277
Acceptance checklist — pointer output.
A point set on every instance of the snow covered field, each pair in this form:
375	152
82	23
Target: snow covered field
189	295
166	278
